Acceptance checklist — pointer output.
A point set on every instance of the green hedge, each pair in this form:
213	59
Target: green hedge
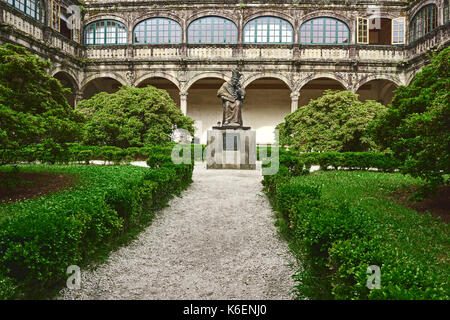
351	160
338	224
41	237
75	152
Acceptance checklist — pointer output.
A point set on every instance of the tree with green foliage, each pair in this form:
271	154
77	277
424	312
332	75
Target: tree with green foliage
417	124
33	107
336	121
132	117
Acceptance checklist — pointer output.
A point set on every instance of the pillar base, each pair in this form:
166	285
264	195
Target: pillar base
231	149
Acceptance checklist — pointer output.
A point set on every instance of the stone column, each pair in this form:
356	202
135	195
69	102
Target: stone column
183	102
294	101
78	98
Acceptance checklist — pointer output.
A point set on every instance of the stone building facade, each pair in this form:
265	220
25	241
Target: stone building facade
289	51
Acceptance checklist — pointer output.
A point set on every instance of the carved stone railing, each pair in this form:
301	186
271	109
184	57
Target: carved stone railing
439	36
247	52
64	44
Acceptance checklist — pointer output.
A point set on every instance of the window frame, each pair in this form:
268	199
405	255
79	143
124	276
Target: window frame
403	24
159	19
324	30
267	29
446	12
36	7
360	36
427	16
197	22
105	33
55	15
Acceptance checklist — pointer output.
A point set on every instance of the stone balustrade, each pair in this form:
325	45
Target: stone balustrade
233	52
23	24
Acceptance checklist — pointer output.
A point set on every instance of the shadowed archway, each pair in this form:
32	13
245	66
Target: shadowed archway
268	101
315	88
380	90
103	84
67	81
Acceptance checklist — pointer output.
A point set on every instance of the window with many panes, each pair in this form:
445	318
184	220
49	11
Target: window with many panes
446	11
268	30
29	7
157	31
324	31
362	31
55	12
398	31
424	21
212	30
105	32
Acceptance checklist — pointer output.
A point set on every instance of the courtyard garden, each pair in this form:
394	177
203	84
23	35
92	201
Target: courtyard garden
78	185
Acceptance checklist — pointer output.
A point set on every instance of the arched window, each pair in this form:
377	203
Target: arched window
157	31
212	30
268	30
324	31
424	21
105	32
446	12
29	7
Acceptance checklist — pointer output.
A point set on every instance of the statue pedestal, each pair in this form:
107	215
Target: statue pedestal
231	148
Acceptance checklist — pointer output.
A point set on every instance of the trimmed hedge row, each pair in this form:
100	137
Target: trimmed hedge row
41	237
75	152
351	160
384	162
337	240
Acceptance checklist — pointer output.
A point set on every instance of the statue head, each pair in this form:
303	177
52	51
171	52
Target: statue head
236	77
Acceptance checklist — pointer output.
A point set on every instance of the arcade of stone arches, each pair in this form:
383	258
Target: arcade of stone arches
270	97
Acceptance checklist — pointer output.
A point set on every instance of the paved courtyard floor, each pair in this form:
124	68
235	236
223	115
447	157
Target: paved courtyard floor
216	241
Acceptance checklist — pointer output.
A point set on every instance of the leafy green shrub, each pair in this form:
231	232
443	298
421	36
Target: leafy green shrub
85	156
416	125
132	117
351	160
337	121
33	107
158	160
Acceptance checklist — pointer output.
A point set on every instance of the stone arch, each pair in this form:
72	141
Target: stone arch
267	13
380	88
69	73
371	77
111	75
209	13
257	76
110	16
204	75
420	5
332	14
163	81
327	13
113	85
157	74
312	77
68	80
268	102
411	77
156	14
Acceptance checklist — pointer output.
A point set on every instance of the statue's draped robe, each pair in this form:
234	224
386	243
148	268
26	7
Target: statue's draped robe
231	103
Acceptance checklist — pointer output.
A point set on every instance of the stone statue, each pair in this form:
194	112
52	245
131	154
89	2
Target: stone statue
232	95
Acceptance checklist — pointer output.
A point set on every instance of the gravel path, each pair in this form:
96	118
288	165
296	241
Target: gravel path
218	241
